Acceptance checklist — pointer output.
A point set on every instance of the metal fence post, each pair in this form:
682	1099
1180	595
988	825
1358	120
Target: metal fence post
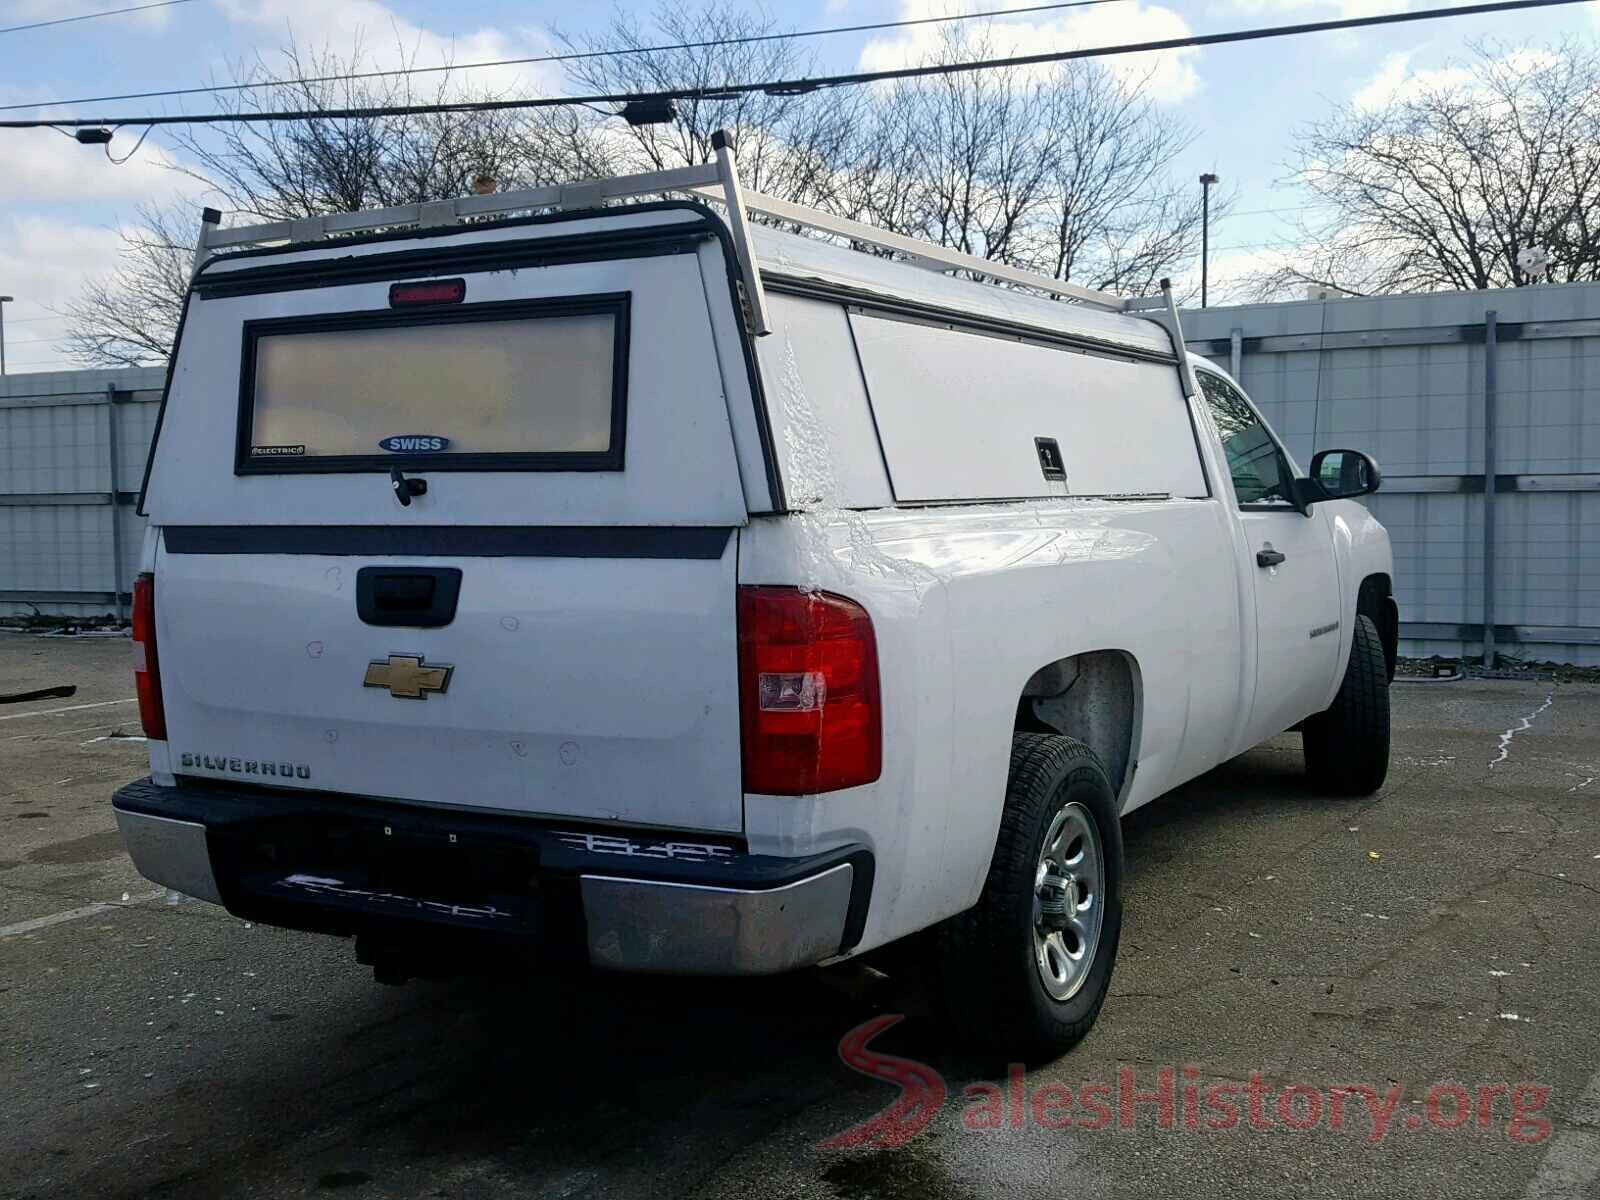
116	511
1490	382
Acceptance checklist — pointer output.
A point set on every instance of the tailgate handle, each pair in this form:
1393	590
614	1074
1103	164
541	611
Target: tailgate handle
418	597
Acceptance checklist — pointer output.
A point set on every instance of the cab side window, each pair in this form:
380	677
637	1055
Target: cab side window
1260	472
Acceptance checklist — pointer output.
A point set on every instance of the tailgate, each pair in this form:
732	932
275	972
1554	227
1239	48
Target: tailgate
596	688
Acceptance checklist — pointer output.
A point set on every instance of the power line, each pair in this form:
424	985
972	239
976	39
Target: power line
1288	208
110	12
1286	246
797	87
560	58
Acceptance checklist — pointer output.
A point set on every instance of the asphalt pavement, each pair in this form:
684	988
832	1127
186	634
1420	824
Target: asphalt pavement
1420	968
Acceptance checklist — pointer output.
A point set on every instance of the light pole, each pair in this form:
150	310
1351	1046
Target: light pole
1206	181
4	300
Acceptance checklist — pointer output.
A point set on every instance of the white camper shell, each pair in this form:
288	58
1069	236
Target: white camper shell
644	586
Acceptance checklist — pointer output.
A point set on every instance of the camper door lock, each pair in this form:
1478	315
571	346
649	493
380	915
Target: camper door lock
405	488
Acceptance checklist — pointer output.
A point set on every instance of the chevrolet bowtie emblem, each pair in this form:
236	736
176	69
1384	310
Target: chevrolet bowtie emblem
406	677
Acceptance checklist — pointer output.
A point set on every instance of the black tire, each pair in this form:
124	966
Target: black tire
992	990
1347	747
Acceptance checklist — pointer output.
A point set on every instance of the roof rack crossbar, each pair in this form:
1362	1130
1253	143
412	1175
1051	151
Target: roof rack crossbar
925	254
443	212
717	180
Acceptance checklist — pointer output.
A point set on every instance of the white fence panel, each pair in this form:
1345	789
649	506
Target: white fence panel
1404	378
60	552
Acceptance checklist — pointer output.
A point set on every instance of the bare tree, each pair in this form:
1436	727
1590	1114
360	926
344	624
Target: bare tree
789	145
279	170
128	318
1446	185
1063	170
1119	219
974	152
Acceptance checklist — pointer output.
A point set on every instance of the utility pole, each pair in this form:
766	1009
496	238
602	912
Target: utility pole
1206	181
1491	465
4	300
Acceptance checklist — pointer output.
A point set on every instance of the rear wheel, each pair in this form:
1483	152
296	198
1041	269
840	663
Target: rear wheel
1347	746
1026	971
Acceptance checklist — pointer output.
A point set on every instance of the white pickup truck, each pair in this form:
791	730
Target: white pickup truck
636	585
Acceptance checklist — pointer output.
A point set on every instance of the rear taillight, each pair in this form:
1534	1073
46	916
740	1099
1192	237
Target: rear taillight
146	665
808	690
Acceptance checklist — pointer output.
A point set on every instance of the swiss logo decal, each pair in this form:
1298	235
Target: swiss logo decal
415	443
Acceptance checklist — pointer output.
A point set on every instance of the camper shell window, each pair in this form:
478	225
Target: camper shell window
522	385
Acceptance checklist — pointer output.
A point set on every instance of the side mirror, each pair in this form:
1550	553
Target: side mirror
1340	475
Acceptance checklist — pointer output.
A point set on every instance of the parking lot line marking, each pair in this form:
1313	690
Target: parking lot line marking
1572	1161
55	733
50	712
73	914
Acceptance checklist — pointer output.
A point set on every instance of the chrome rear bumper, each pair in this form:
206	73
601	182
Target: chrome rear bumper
680	928
171	853
739	915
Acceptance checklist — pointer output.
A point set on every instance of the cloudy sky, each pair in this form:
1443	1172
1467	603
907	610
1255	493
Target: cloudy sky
60	203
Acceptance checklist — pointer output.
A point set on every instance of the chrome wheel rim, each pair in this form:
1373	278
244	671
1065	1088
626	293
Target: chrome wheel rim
1068	901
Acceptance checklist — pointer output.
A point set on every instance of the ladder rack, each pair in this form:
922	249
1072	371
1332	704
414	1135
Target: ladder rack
717	181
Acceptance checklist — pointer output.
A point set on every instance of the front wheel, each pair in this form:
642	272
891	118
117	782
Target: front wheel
1026	971
1347	746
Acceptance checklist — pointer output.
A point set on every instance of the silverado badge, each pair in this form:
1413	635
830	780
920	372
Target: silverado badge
406	677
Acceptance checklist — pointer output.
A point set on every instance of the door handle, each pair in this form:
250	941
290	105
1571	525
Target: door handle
1268	557
413	597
